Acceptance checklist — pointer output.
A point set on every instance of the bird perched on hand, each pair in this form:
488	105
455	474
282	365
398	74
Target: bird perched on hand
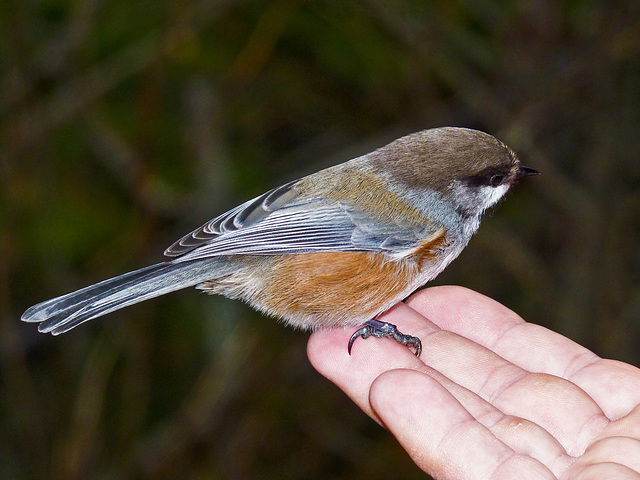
335	248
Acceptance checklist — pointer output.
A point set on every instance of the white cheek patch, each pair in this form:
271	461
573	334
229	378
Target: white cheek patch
476	200
490	195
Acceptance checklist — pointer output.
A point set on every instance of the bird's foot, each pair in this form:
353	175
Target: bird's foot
383	329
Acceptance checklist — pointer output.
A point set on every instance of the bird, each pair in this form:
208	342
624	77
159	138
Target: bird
336	248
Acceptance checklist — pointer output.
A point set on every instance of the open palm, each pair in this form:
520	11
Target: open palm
492	397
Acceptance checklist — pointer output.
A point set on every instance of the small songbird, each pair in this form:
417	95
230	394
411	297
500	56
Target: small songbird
335	248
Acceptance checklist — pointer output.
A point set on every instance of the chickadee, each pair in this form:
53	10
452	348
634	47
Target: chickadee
335	248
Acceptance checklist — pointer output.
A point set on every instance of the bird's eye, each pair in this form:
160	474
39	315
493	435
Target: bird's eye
496	180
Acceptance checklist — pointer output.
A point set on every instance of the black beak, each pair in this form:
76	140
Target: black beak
526	171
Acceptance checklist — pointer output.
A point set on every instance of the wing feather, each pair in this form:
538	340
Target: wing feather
282	222
245	214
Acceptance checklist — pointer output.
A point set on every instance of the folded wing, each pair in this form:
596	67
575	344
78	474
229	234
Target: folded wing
283	222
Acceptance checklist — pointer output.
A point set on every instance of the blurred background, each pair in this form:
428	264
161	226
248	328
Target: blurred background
125	124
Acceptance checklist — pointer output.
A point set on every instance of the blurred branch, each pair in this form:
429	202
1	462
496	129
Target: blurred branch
37	120
217	384
52	56
84	439
21	405
261	43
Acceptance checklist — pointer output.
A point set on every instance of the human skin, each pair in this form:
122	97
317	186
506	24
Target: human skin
492	396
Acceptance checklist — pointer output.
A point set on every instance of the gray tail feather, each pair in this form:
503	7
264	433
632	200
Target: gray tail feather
61	314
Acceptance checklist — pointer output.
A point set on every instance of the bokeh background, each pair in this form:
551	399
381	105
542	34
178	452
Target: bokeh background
124	124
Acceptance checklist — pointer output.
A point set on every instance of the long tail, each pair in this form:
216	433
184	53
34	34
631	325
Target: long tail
61	314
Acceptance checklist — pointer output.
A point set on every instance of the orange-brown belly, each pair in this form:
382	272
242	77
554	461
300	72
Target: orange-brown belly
326	289
335	288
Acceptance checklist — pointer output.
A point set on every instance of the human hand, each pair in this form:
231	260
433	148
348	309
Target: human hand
491	397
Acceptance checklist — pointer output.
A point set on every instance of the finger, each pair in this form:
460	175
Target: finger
522	436
624	452
619	444
614	386
444	439
627	426
557	405
599	471
354	374
487	322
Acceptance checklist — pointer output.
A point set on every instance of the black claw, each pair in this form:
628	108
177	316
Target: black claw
364	332
383	329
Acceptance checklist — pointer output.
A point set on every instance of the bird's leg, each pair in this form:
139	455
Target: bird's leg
383	329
